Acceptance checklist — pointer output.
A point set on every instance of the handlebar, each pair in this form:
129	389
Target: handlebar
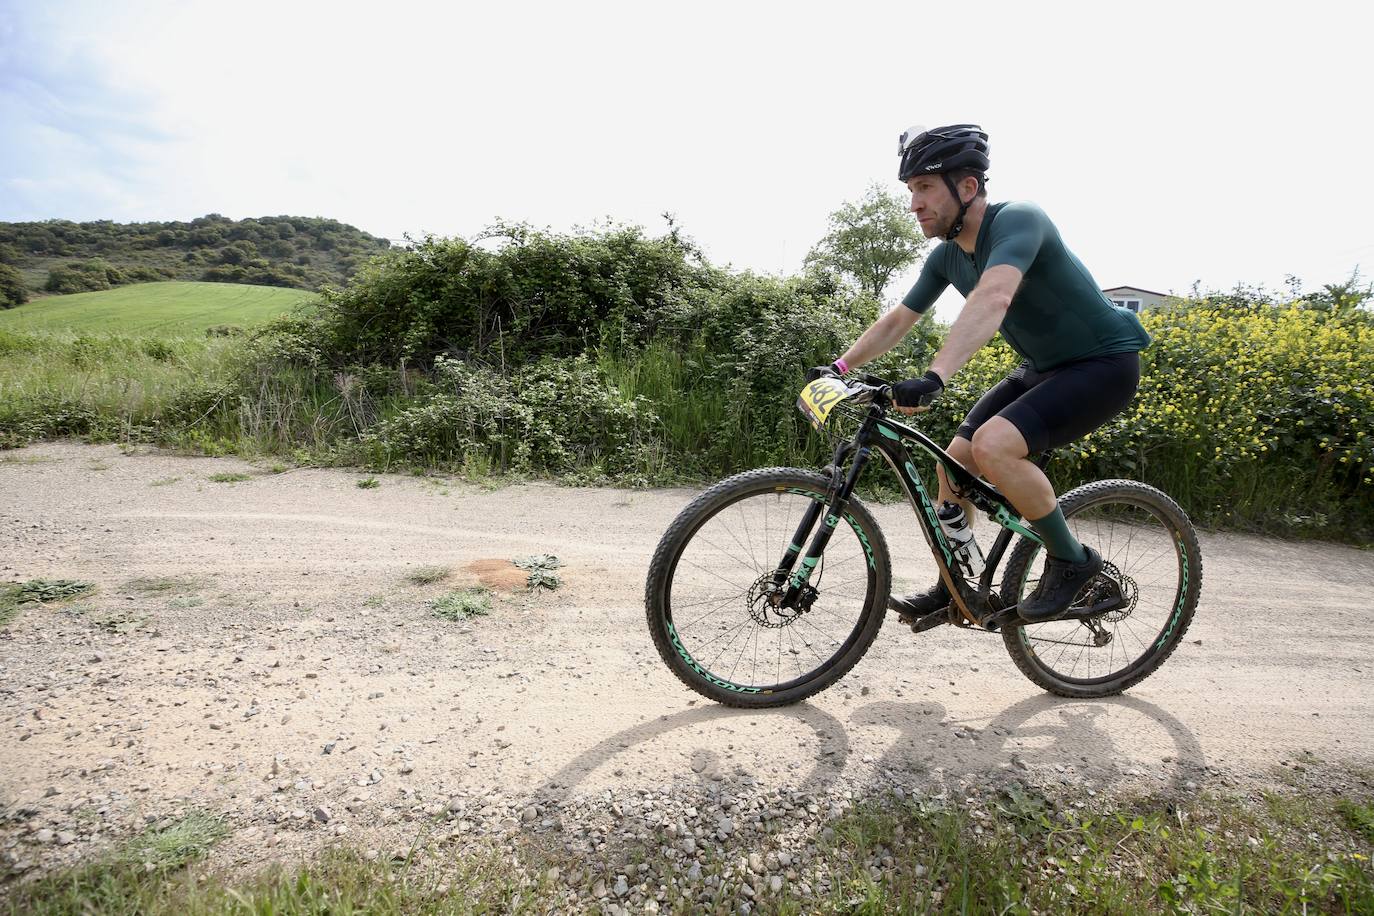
872	388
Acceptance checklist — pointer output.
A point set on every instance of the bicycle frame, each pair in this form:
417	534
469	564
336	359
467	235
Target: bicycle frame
888	437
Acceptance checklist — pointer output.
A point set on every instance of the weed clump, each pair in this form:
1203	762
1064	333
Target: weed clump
39	591
427	575
541	571
462	605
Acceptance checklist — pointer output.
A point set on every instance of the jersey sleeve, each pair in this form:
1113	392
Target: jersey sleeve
929	285
1016	235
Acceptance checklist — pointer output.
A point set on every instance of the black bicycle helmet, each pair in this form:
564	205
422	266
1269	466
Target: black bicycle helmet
942	150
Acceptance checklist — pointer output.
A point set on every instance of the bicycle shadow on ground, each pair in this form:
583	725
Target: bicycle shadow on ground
1085	741
1100	734
832	746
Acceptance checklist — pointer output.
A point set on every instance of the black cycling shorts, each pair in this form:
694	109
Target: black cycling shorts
1055	408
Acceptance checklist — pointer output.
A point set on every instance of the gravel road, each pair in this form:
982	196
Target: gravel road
255	649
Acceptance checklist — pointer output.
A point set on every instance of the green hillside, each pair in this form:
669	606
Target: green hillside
60	256
169	309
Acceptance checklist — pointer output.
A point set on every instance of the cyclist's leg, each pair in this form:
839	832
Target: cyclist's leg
936	597
997	399
1060	407
1065	405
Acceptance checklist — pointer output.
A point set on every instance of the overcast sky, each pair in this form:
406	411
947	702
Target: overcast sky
1171	143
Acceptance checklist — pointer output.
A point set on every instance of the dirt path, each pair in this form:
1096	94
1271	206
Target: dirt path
295	680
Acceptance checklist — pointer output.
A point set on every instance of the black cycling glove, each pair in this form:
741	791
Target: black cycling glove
918	392
830	371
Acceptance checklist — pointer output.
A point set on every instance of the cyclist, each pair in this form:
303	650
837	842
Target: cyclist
1081	362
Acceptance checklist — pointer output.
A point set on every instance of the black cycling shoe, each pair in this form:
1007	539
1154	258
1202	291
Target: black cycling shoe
914	607
1060	583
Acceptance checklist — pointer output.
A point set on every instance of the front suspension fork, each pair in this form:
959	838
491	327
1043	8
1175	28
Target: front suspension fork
799	593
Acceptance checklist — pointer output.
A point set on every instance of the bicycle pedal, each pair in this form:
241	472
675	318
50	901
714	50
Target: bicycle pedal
995	622
926	621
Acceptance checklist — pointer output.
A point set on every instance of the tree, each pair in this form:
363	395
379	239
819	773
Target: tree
870	241
12	289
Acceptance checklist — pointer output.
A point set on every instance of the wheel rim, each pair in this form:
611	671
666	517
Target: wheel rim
718	613
1145	555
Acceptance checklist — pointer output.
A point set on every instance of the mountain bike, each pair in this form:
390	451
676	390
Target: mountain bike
772	584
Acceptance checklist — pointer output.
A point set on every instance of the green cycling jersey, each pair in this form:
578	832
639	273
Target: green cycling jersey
1059	314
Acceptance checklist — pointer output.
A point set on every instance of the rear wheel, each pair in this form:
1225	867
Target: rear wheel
710	596
1152	561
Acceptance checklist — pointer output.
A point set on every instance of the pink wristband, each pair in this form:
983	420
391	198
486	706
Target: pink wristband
842	365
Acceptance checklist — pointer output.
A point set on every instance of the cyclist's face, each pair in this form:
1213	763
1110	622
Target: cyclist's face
933	205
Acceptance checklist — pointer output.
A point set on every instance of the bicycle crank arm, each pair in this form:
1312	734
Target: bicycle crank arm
1009	617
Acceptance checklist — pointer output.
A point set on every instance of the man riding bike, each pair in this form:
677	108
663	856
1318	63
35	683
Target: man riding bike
1081	362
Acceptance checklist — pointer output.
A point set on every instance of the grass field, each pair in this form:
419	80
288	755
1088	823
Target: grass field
171	309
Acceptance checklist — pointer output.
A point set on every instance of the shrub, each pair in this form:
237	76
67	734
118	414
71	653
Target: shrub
84	276
12	289
554	416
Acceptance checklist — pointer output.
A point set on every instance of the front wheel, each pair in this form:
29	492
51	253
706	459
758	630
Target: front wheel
1153	568
710	590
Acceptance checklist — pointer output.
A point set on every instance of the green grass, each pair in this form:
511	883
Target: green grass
368	483
171	309
176	844
461	605
1015	852
1359	818
427	575
161	585
230	477
13	598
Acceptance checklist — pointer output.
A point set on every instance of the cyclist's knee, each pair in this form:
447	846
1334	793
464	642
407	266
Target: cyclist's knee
961	450
996	442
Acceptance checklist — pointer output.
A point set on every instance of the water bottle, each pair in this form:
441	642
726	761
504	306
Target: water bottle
968	557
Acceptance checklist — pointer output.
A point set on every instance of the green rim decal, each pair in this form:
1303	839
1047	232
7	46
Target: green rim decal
863	539
686	656
1182	596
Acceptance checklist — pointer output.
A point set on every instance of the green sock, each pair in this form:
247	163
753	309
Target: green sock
1058	541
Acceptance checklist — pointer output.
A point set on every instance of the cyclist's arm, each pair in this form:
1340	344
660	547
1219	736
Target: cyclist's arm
881	336
1014	240
978	321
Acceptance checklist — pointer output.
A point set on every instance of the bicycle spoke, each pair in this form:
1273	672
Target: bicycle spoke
728	634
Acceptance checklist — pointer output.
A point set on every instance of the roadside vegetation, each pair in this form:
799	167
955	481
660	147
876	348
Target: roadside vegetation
60	256
1024	853
610	356
158	310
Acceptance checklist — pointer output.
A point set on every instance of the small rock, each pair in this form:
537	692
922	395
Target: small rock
322	815
775	882
599	889
44	836
622	887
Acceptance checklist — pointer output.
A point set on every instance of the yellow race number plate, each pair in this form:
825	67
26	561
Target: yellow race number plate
819	398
